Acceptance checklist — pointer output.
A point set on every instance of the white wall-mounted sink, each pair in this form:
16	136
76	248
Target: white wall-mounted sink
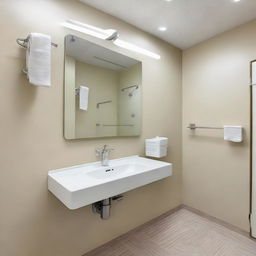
81	185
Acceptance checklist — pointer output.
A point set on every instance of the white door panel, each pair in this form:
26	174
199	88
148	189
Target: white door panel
253	203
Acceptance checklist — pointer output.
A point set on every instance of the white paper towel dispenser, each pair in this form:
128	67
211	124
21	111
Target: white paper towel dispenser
156	147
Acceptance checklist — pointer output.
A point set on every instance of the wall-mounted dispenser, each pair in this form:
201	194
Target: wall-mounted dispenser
156	147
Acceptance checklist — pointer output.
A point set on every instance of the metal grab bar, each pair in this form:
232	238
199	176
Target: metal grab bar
123	89
109	125
103	102
117	125
193	127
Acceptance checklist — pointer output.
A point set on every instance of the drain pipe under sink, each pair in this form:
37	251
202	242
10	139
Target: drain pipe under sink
103	207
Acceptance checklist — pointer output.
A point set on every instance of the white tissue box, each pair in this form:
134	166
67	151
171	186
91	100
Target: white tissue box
156	147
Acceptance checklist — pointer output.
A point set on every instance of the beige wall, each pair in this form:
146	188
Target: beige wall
216	81
32	221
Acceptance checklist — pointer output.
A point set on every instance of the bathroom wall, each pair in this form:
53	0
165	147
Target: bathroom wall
103	85
216	78
32	221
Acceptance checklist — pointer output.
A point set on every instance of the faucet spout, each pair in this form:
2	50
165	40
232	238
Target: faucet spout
104	153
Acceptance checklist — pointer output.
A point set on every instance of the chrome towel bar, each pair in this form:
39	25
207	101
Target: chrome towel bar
132	86
103	102
24	42
193	127
110	125
117	125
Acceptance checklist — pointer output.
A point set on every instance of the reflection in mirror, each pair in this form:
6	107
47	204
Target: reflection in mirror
102	91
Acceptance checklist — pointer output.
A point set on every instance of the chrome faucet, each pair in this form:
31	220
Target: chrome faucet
103	153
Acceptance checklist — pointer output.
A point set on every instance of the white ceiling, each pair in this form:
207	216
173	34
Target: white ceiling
188	22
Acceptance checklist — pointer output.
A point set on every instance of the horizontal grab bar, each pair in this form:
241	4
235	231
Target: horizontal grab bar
104	102
123	89
108	125
193	127
117	125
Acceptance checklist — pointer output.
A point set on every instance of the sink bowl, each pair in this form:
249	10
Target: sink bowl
82	185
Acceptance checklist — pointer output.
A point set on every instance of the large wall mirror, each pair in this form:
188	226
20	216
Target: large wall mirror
102	91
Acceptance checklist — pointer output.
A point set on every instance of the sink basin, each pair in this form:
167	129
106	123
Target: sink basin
82	185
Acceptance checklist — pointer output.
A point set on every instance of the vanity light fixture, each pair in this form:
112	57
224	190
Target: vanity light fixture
107	34
104	34
135	48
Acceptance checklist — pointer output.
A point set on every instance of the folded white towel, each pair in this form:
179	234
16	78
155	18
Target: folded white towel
233	133
83	97
39	59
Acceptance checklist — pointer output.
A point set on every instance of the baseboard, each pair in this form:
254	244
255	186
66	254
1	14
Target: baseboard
216	220
253	224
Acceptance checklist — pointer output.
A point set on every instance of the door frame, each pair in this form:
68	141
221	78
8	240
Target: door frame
252	216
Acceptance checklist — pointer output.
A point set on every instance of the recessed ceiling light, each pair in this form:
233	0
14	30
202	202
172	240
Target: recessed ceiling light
162	28
168	0
236	1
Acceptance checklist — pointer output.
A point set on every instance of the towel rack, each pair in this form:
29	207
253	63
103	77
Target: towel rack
123	89
77	91
24	42
116	125
108	125
193	127
103	102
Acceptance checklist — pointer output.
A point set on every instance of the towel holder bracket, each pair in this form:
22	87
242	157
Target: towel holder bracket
24	42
